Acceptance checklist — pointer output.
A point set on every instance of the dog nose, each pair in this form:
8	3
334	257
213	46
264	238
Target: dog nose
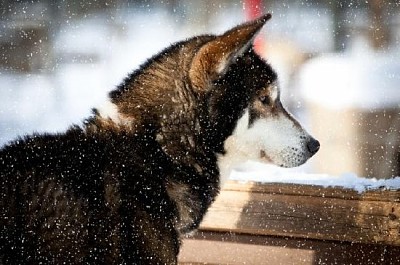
313	146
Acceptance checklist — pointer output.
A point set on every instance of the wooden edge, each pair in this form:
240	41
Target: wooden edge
232	248
381	194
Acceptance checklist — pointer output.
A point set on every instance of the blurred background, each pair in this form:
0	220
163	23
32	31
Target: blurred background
338	61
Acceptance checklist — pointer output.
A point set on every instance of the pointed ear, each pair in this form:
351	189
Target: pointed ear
214	58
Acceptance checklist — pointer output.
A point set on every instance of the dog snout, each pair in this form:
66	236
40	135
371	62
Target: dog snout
313	146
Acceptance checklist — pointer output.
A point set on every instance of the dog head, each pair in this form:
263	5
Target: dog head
218	95
244	99
268	133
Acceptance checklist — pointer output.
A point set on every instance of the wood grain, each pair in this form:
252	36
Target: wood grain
304	211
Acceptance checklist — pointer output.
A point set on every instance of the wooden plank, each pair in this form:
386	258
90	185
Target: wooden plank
307	212
231	248
235	250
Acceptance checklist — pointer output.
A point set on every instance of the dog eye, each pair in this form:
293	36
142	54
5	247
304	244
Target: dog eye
264	100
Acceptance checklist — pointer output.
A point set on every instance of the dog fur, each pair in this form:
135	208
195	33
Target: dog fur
123	187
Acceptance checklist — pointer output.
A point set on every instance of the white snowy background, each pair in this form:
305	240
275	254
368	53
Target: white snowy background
92	53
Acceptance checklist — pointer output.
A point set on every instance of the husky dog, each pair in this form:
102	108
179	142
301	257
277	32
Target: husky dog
123	187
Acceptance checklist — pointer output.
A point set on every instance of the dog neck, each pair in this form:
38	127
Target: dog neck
236	150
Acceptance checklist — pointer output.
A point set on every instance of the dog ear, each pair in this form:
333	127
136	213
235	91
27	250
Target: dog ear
214	58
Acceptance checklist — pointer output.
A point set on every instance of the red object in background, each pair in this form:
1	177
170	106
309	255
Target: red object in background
254	9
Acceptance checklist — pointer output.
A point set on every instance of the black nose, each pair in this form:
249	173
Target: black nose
313	146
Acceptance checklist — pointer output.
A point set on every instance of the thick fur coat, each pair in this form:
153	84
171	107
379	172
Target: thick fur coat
126	184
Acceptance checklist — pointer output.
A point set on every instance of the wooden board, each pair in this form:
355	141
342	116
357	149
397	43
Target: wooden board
304	211
228	248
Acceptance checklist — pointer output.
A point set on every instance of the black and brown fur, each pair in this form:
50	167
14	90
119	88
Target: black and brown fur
108	193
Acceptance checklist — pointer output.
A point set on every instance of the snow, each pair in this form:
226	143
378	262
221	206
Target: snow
309	27
257	172
361	80
50	103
